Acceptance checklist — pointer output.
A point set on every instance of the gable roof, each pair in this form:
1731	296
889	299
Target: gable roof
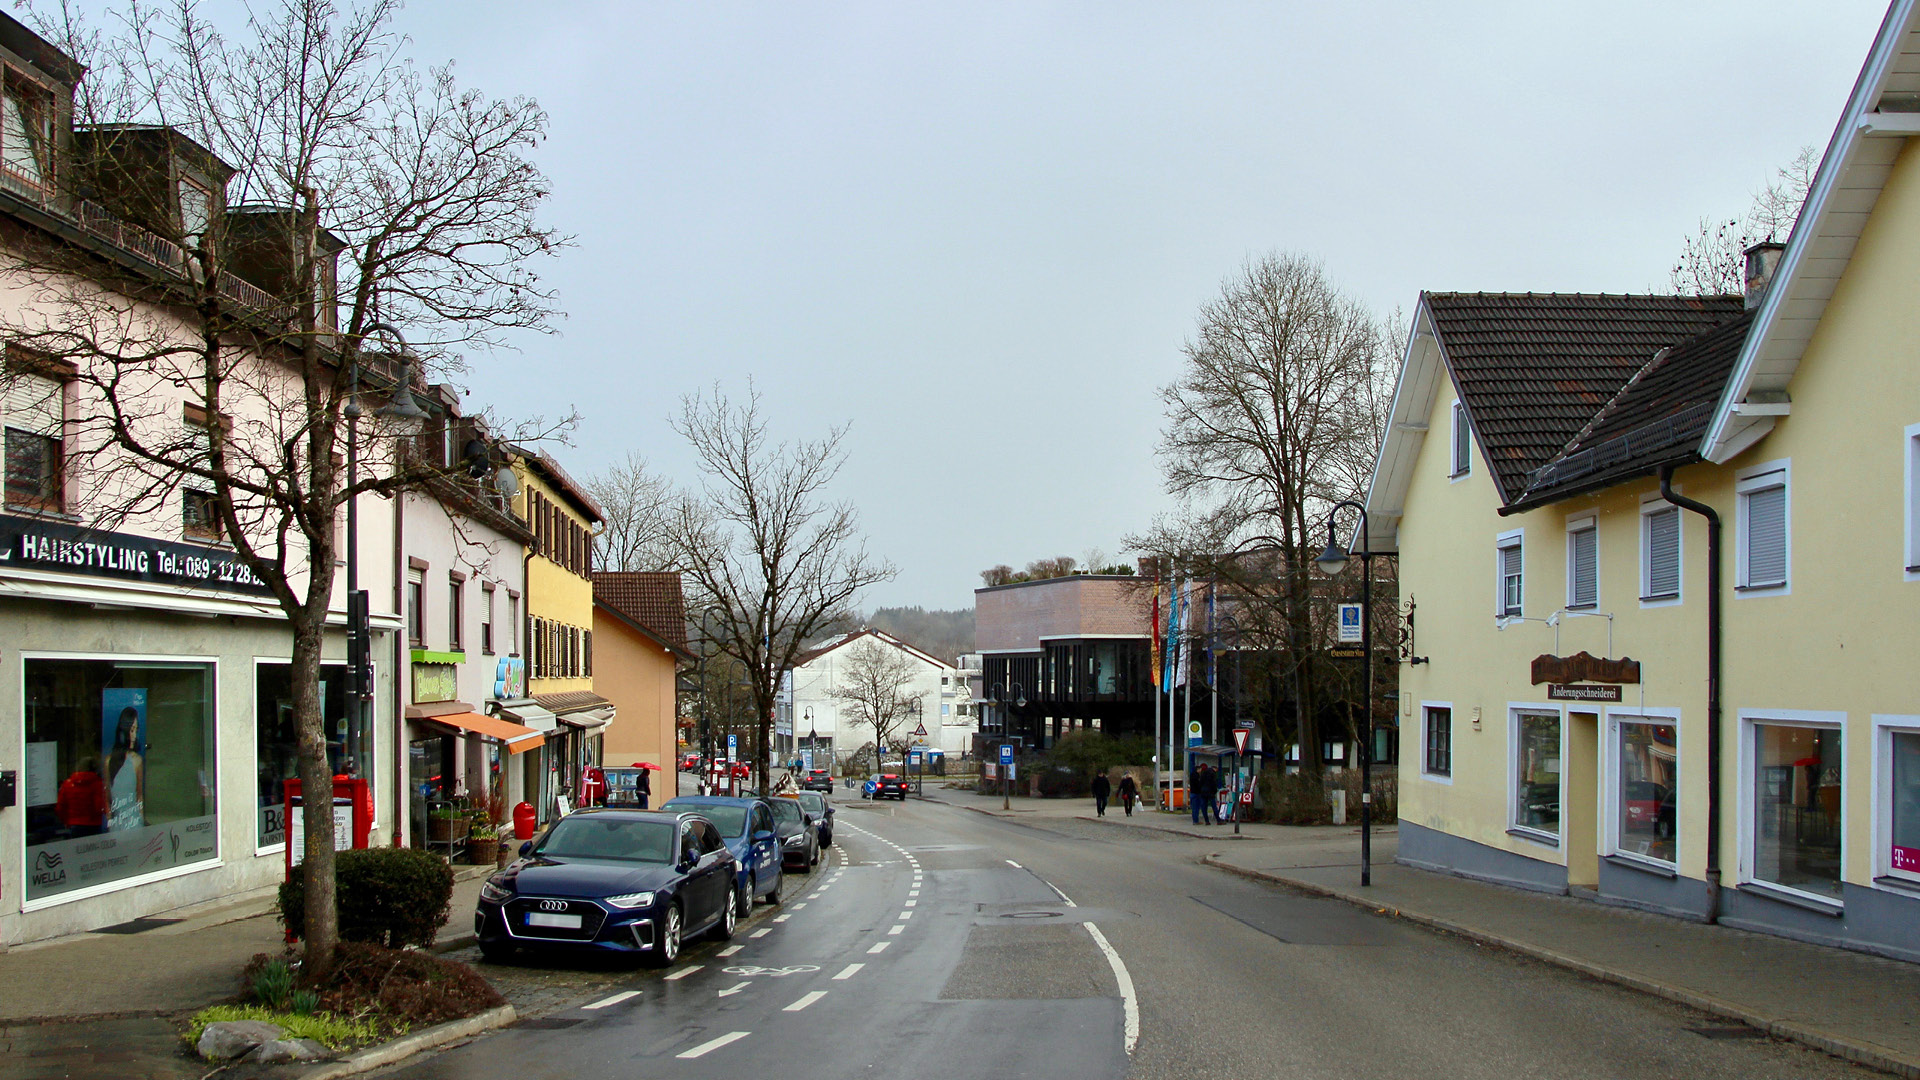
1656	419
810	655
1880	115
649	601
1532	369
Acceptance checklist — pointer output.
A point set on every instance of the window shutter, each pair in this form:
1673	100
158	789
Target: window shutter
1663	553
1767	536
36	404
1585	575
1510	595
1462	439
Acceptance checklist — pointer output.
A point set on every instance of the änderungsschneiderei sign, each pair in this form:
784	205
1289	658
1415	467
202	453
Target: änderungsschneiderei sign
37	544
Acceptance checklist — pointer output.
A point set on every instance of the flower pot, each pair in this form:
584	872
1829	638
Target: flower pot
441	830
482	852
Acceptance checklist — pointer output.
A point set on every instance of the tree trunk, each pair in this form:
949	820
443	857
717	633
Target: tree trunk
322	927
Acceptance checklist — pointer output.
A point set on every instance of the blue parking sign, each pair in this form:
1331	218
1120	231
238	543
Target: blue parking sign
733	746
1006	754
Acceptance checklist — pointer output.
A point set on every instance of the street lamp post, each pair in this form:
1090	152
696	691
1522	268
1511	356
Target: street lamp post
1007	702
1331	562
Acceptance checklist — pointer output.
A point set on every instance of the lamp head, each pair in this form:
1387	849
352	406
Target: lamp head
402	406
1333	560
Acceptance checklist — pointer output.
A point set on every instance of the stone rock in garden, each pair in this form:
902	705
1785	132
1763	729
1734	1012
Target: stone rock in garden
229	1039
282	1050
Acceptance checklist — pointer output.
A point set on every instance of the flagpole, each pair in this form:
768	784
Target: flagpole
1153	654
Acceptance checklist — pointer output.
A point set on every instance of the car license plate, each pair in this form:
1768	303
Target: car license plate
563	922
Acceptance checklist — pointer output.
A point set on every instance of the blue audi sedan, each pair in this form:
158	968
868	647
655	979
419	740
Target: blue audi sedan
623	881
748	828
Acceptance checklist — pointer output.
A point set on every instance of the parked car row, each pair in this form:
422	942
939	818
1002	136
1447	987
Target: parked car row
644	882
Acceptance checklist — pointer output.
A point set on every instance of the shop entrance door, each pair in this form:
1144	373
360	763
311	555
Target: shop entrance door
1582	800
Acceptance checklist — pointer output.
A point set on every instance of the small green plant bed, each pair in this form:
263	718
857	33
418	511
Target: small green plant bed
327	1030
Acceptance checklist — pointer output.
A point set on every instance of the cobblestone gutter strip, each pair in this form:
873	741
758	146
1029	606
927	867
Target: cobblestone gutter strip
1860	1053
405	1046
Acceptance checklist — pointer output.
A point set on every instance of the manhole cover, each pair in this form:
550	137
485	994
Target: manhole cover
1031	915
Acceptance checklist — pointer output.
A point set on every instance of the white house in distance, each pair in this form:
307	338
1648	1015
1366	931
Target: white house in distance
809	716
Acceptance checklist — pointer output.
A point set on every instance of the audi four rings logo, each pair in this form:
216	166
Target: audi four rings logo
553	905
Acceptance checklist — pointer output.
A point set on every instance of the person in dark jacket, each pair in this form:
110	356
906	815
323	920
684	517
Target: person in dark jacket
1129	791
1209	791
1101	789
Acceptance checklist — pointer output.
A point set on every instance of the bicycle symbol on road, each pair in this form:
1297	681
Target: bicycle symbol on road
751	969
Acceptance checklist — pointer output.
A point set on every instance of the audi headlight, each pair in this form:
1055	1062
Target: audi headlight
494	894
631	900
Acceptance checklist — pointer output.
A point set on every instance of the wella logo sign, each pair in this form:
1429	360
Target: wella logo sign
47	871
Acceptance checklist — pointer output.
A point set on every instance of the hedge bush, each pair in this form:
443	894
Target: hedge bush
387	896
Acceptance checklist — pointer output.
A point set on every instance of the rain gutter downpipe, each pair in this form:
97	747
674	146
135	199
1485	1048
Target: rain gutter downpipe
1713	683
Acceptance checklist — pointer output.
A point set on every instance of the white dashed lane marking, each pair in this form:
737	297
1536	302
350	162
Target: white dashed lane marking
614	1000
713	1044
686	971
730	950
880	948
848	971
762	932
806	999
895	929
779	918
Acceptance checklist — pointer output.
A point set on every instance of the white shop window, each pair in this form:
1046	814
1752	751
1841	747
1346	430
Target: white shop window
1794	827
1643	758
1896	797
1535	739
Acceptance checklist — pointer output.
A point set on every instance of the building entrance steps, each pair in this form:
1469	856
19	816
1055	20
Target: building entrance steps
1854	1005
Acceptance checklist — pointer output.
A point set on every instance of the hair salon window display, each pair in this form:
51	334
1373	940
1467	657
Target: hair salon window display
119	773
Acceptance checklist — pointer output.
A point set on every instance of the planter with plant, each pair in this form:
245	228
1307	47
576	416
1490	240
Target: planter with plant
448	822
483	844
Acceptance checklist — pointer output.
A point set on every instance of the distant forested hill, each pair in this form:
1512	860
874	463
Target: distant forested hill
945	634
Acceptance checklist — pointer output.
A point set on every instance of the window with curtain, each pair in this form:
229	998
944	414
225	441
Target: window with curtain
1462	441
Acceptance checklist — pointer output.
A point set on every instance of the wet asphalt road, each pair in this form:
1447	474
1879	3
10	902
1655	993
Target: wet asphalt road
937	942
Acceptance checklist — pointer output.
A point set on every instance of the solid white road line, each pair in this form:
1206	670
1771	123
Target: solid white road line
1130	1002
614	1000
895	929
806	999
848	971
762	932
880	948
730	950
1064	898
684	972
732	990
1015	865
713	1044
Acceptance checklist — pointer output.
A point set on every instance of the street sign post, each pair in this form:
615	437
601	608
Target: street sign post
1006	776
1240	736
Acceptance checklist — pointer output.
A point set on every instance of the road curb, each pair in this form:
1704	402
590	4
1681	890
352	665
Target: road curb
373	1057
1859	1053
1155	828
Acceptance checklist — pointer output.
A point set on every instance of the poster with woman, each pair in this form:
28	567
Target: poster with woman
123	715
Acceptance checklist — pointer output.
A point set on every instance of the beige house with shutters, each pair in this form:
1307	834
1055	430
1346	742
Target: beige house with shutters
1663	555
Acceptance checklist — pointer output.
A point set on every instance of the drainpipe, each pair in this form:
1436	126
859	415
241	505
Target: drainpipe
1713	683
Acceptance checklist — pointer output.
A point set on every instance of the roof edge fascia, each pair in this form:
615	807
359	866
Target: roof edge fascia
1387	491
1722	434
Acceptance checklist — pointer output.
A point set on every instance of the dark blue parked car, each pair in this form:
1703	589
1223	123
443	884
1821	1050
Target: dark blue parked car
629	881
747	827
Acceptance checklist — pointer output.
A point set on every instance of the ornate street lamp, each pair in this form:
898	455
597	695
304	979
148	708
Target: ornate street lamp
1331	562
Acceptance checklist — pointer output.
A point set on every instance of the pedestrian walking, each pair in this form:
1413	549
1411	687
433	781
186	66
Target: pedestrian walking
1129	791
1209	790
1196	793
1101	789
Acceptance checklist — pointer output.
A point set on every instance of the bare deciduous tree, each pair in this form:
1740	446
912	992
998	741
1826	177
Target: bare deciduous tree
1713	259
638	503
770	557
372	193
874	684
1276	415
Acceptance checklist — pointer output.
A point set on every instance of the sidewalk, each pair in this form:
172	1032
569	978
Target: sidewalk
101	1005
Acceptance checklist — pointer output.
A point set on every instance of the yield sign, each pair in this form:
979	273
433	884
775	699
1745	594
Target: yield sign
1240	740
920	732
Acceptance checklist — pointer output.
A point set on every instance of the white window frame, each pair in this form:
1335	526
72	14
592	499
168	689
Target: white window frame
1459	458
1452	730
1651	507
1579	523
1911	447
1884	876
1750	719
214	752
1610	781
1511	789
1514	538
1746	482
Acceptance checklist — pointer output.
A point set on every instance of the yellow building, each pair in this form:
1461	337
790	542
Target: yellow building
1743	745
558	609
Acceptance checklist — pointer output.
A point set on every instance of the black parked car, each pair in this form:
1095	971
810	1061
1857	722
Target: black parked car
624	881
799	843
819	814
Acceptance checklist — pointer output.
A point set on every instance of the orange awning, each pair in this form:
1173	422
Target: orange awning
519	739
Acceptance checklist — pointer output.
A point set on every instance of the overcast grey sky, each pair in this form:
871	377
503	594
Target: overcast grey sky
980	232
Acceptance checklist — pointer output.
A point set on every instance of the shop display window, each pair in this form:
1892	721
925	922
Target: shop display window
1796	800
1648	779
119	771
1536	794
277	749
1904	830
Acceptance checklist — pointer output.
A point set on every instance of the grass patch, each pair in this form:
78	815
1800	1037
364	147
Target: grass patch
327	1030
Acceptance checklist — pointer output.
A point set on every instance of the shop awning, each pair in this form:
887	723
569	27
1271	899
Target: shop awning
519	739
588	720
533	716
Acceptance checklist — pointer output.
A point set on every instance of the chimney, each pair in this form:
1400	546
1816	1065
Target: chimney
1762	260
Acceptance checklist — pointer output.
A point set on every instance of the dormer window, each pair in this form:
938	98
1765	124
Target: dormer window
196	213
26	131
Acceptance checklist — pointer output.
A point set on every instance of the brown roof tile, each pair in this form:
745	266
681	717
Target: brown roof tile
651	599
1533	369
